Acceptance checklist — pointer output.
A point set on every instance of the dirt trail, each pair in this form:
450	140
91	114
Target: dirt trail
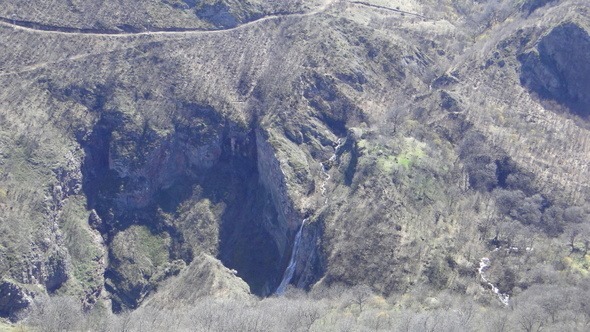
33	67
399	11
49	29
56	30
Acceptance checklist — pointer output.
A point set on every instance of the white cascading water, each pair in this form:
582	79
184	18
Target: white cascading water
339	144
290	271
484	264
292	262
327	176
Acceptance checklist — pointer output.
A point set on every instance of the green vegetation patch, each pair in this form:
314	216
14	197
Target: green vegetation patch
578	264
412	151
4	327
387	164
138	245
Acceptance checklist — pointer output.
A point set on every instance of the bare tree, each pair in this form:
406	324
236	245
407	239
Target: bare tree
360	295
495	322
530	317
57	314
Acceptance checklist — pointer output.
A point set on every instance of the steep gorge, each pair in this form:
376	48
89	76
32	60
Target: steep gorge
209	185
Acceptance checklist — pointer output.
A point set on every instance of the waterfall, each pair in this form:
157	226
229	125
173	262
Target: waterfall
290	271
339	144
292	262
327	176
484	264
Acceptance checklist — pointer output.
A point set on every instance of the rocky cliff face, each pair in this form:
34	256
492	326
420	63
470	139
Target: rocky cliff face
140	183
134	176
14	300
558	69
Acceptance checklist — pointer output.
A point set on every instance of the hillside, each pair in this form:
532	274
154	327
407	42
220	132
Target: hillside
155	155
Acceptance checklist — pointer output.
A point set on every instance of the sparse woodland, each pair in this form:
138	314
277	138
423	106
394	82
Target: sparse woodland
556	307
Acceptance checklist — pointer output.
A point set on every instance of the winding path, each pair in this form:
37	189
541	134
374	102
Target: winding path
366	4
39	28
39	65
51	29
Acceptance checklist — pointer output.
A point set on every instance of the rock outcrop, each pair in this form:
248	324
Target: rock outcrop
559	68
13	299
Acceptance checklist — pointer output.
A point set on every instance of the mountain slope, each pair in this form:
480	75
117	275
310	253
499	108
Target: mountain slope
416	139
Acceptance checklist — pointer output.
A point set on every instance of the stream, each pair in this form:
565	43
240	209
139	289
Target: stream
484	265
